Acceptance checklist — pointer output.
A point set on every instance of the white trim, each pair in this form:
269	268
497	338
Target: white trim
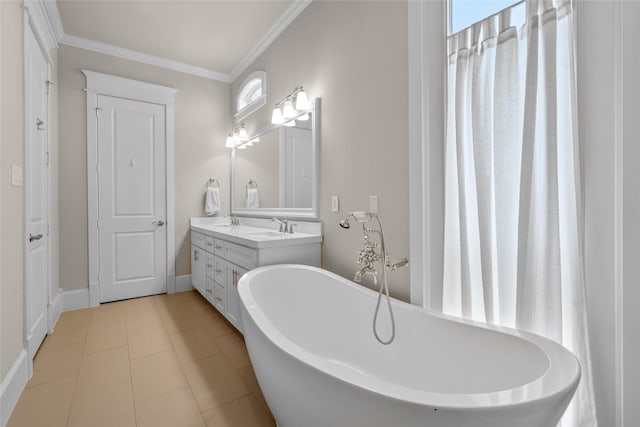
53	16
144	58
43	27
426	40
104	84
276	29
73	300
618	212
183	283
53	311
12	385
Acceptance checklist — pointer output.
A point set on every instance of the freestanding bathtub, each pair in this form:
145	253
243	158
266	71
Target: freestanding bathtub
310	340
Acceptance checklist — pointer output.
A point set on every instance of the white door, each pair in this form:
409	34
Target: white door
132	198
36	193
298	162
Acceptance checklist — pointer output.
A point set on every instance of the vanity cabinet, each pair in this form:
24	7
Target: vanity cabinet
198	264
218	264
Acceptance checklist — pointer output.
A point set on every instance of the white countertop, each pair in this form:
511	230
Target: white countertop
255	237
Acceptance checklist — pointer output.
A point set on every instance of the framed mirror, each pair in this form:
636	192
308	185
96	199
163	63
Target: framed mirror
278	175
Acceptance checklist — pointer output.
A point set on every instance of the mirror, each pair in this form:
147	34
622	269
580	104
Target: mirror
278	175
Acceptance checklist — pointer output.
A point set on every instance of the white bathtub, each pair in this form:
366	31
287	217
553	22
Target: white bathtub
310	340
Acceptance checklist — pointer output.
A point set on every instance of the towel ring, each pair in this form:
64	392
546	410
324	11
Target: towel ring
213	181
251	184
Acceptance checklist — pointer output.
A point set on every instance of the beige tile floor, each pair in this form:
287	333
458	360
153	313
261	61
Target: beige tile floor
166	360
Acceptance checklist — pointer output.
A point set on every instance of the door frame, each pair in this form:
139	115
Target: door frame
105	84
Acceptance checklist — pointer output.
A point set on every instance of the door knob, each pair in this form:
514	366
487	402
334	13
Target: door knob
36	237
158	223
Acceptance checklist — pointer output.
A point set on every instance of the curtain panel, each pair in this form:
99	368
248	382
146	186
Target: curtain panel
513	210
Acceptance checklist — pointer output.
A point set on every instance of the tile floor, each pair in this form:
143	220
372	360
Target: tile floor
166	360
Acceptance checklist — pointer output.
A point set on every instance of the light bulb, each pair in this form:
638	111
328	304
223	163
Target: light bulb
229	142
242	134
290	123
304	117
302	102
276	117
288	112
236	137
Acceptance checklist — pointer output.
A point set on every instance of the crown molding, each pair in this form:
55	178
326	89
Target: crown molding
54	18
46	12
144	58
43	27
276	29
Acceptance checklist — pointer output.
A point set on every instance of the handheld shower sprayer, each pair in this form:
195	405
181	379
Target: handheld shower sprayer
359	216
366	258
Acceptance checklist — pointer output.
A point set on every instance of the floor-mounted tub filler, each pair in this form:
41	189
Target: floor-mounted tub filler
308	332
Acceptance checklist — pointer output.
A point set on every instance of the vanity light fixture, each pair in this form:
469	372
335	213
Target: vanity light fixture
276	117
292	105
229	142
302	101
242	133
287	111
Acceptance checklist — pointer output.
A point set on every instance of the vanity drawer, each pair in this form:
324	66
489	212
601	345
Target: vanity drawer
219	297
209	242
218	247
218	269
210	290
198	239
240	255
210	265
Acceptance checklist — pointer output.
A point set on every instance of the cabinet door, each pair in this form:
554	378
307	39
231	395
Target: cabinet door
234	273
198	269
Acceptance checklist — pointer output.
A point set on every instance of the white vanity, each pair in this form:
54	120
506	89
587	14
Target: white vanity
221	254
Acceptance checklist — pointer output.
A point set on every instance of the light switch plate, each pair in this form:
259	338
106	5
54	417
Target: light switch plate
373	204
335	204
16	176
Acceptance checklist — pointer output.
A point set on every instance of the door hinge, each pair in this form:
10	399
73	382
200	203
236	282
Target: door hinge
49	83
47	158
48	231
98	109
98	223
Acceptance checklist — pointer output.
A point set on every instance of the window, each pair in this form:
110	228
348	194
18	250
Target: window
251	95
464	13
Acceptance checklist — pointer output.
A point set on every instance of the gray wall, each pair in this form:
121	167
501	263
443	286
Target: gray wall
11	198
202	119
354	56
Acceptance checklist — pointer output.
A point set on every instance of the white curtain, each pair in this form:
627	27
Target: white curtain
513	209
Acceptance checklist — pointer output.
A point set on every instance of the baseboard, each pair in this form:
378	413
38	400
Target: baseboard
53	311
12	385
94	294
73	300
183	283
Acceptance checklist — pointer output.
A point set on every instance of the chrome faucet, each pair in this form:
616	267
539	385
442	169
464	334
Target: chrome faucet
284	224
234	220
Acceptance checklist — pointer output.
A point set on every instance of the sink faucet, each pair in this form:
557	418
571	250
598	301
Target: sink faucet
284	224
234	220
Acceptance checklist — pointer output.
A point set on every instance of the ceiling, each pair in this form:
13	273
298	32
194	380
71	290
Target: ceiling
212	34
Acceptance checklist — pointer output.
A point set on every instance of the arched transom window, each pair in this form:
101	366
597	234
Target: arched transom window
251	95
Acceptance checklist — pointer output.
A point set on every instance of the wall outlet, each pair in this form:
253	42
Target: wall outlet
16	176
335	204
373	204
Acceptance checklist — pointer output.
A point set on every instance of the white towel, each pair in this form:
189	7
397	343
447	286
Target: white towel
253	199
212	201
